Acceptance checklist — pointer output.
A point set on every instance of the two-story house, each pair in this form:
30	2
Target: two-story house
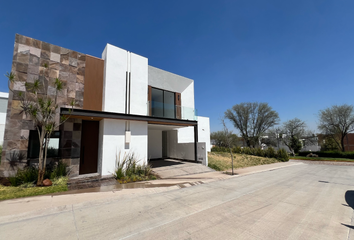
121	105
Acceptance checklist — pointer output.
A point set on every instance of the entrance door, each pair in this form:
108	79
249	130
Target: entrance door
89	147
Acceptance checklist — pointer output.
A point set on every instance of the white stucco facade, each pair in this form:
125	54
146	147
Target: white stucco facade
127	77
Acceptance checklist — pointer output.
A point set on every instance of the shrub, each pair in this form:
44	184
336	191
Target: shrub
30	174
237	149
220	149
253	151
59	170
246	150
259	152
330	154
128	169
270	152
311	155
282	155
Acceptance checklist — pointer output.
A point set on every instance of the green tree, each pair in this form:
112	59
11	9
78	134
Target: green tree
295	145
41	107
336	122
252	120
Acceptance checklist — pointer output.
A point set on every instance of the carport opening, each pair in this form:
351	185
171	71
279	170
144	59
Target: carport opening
170	145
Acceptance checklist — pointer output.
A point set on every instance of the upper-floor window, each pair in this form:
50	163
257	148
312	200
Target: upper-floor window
163	103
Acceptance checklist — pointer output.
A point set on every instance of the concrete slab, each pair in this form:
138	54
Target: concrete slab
170	168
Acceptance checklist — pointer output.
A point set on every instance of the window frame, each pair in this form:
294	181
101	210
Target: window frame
163	103
33	134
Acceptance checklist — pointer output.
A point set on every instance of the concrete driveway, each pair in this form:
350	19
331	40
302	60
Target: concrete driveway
304	201
170	168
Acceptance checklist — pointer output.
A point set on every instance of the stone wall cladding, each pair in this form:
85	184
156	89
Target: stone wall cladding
27	64
70	143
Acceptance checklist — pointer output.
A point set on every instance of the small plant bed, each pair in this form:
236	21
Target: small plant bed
322	159
221	161
29	189
128	169
23	184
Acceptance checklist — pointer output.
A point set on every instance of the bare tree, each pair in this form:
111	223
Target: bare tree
40	104
294	135
252	120
337	121
228	142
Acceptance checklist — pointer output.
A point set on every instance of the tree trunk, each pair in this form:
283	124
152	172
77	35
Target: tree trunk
293	152
342	142
40	158
232	161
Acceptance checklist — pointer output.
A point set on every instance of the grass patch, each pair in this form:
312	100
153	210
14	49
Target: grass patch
221	161
29	189
323	159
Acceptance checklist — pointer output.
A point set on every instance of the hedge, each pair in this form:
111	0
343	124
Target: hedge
270	152
330	154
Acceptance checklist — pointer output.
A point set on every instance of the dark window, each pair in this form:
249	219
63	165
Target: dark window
162	103
33	144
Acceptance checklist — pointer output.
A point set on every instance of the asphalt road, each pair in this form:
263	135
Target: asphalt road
305	201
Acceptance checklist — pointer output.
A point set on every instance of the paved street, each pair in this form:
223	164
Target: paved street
305	201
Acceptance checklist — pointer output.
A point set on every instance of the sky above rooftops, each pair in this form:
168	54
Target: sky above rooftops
296	55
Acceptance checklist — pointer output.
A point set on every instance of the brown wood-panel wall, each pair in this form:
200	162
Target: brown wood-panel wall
178	105
93	88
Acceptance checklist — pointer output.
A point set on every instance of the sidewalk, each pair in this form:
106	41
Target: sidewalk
22	208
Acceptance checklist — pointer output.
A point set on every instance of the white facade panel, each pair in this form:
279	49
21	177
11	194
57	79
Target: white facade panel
155	144
204	131
185	135
114	83
112	133
139	85
139	140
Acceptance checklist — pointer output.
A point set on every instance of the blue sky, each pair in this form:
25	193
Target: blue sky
298	56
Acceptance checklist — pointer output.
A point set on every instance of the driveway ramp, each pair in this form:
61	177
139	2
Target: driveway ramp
170	168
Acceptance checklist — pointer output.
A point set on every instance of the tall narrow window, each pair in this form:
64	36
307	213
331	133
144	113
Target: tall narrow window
162	103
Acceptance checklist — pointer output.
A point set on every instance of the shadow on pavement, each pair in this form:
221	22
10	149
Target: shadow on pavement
349	198
163	163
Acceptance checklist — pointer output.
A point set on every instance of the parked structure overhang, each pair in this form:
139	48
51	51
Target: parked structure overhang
99	115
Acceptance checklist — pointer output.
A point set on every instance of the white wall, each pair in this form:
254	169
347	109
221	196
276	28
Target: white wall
179	150
112	141
204	131
139	84
172	82
155	144
186	134
114	83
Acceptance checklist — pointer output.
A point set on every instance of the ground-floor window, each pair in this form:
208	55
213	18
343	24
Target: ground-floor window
33	144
